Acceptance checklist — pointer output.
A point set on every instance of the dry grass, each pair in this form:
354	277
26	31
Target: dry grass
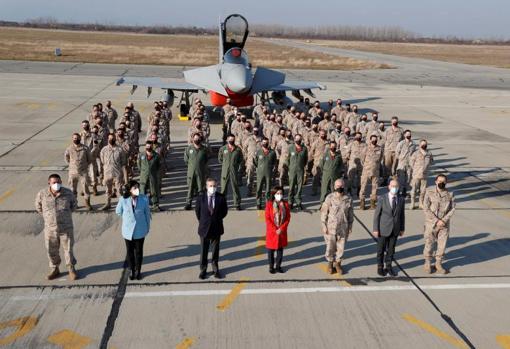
489	55
100	47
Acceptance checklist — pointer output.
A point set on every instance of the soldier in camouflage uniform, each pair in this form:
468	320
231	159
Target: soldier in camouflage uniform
405	148
111	116
354	155
336	220
393	136
371	161
91	140
439	206
420	164
114	161
296	163
56	205
265	162
77	156
282	154
195	157
317	150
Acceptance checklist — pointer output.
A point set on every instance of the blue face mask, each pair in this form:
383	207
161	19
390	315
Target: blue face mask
394	190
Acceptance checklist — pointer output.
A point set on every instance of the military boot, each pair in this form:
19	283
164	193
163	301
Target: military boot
439	268
53	274
330	268
72	273
108	204
94	189
413	205
362	204
88	205
372	204
427	267
338	267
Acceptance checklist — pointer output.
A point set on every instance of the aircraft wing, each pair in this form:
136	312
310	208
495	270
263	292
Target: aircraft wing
158	83
306	86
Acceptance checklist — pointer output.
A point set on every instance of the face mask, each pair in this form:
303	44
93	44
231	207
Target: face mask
135	192
197	141
231	142
424	147
394	123
211	190
374	142
339	190
323	137
56	186
76	141
148	149
441	185
265	145
408	137
348	133
333	149
375	119
112	141
298	142
394	190
358	139
256	133
278	197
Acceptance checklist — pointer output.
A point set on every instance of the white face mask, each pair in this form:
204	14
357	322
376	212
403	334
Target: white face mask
394	190
278	197
135	192
56	186
211	190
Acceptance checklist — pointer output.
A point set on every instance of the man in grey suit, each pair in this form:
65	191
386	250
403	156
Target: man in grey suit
389	223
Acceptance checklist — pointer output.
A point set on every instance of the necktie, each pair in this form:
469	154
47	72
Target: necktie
394	204
211	205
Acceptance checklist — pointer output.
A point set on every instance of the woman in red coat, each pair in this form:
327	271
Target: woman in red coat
277	221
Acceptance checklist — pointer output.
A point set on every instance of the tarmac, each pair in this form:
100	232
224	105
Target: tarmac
462	110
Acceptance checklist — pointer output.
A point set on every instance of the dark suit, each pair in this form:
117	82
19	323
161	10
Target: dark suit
389	221
210	227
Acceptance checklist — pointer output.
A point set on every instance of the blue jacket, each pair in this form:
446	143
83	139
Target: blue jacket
135	225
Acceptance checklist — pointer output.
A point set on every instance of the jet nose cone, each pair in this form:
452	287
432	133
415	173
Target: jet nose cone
237	78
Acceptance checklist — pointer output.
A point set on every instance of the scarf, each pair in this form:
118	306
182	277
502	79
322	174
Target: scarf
279	213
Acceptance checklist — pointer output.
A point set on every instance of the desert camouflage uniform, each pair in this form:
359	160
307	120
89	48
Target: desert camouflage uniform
114	160
420	163
336	217
392	137
355	154
78	158
370	162
403	154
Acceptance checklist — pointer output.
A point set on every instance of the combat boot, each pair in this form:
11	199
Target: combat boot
330	268
338	267
72	273
372	204
362	204
108	204
88	205
53	274
427	267
413	205
94	189
440	269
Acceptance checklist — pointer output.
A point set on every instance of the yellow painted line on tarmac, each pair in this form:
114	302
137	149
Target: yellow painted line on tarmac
68	339
34	106
262	215
343	282
231	297
435	331
5	195
261	246
22	327
503	341
186	343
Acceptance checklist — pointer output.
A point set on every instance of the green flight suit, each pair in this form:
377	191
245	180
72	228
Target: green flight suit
265	164
231	162
196	160
150	175
331	166
296	163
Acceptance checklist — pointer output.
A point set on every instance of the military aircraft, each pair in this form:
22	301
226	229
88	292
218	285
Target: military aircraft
233	77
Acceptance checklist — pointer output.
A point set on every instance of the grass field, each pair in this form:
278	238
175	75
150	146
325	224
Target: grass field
100	47
489	55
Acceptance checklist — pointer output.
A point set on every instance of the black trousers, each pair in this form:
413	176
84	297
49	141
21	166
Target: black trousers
214	244
279	257
386	249
135	253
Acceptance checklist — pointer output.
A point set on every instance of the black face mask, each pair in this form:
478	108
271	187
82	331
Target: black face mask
265	145
375	119
358	139
197	141
323	137
231	142
340	190
111	141
256	133
76	141
424	147
86	128
348	133
332	149
441	185
394	123
374	142
298	142
408	137
339	128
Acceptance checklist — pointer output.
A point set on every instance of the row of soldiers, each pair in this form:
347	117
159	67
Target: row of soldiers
107	154
302	140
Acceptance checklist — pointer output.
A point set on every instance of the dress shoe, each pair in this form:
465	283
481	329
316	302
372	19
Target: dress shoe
218	275
139	275
239	208
280	270
381	271
132	276
272	270
187	207
202	275
391	271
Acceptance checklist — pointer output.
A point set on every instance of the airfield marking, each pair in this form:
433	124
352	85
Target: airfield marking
261	215
259	249
324	268
186	343
435	331
23	325
234	293
68	339
503	341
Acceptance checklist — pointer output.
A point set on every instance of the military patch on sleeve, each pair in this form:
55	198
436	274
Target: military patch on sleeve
142	157
225	151
191	151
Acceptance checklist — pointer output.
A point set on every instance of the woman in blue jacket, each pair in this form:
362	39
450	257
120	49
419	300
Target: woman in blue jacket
134	209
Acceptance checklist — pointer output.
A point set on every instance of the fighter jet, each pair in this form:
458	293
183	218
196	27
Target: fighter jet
233	77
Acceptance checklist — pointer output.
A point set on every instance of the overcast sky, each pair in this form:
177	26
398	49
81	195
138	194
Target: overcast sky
464	18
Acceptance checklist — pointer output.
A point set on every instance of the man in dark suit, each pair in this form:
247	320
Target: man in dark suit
389	223
211	207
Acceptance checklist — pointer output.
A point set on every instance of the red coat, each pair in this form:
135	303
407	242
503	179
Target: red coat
273	240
